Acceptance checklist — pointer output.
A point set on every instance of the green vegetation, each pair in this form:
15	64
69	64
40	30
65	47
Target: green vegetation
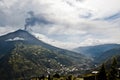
102	73
26	61
112	75
35	60
106	72
57	77
30	61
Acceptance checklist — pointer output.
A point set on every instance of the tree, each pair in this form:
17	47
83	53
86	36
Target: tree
56	75
49	77
102	73
70	77
42	77
112	75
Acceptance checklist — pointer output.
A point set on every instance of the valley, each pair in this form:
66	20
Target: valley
23	57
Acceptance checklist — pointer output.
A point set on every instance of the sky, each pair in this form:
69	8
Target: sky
64	23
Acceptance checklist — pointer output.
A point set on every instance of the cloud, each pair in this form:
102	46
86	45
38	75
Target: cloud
2	18
113	17
102	8
75	22
7	29
33	19
64	45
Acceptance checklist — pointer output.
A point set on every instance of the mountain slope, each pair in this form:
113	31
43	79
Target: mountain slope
109	54
26	38
96	51
24	56
32	60
110	60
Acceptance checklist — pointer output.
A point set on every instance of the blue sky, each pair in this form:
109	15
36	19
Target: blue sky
64	23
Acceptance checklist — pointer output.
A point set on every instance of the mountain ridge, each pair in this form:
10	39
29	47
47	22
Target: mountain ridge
22	54
95	50
100	53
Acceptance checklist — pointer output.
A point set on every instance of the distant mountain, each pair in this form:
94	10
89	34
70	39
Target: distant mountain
22	55
95	51
100	53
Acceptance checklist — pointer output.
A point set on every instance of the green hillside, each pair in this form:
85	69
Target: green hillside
31	60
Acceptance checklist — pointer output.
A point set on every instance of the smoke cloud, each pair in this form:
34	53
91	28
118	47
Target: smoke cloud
33	19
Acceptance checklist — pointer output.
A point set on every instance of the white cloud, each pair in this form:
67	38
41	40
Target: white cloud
7	29
75	22
70	45
60	44
102	8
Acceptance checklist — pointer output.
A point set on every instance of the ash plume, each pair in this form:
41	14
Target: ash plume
33	19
